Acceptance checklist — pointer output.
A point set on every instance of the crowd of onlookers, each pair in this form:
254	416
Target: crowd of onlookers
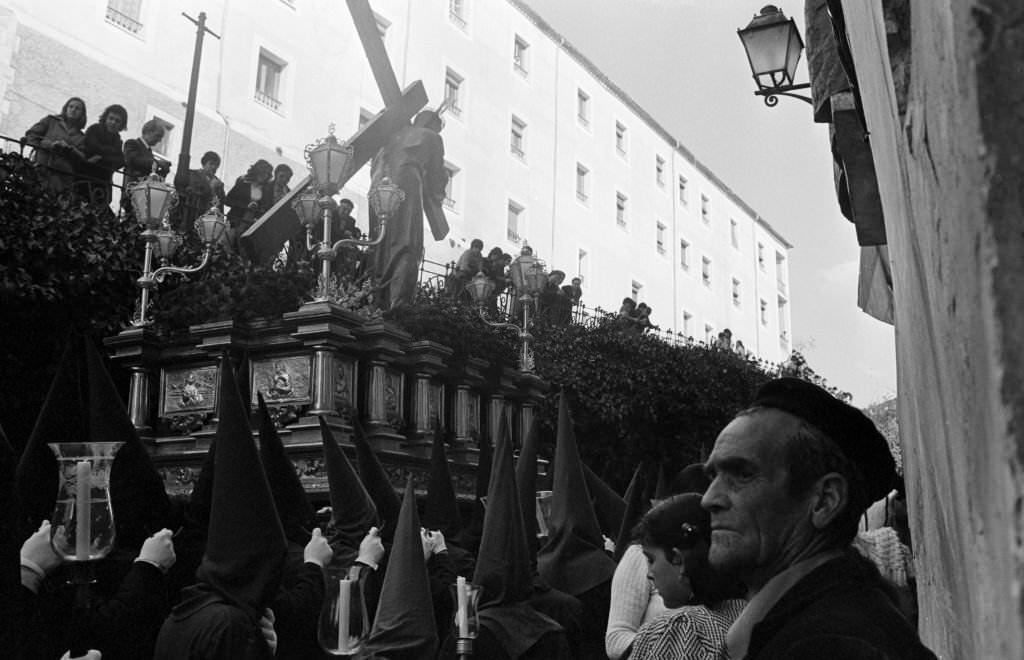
83	160
555	300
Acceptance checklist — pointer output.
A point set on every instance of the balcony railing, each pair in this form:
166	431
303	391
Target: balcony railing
123	21
266	99
513	236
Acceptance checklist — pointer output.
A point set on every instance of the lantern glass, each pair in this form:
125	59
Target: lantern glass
330	162
211	226
534	278
150	199
167	243
343	625
307	208
386	198
480	288
469	628
773	45
82	525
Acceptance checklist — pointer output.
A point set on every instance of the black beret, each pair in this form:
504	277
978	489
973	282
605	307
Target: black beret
845	425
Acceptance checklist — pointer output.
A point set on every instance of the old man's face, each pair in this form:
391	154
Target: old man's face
758	527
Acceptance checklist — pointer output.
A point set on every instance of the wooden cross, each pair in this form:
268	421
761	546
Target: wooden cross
268	234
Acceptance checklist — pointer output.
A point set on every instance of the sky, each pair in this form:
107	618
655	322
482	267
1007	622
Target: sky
682	61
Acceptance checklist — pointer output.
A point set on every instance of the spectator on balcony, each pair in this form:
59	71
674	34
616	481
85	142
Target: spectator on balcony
282	175
554	303
103	154
59	143
139	159
249	198
574	291
626	320
643	317
470	263
201	189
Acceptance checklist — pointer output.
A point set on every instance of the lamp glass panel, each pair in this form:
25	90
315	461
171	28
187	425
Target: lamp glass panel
308	209
210	226
766	47
793	50
166	243
480	288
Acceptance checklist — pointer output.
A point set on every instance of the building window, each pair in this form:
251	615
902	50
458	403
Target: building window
659	171
457	12
705	271
780	271
582	107
451	188
582	182
514	228
684	254
163	147
582	264
734	233
620	209
269	75
620	138
452	92
760	256
705	209
687	324
636	289
518	135
660	238
764	312
683	198
519	55
125	14
783	329
709	334
736	300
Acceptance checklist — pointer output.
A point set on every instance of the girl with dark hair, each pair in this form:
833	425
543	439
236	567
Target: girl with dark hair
103	153
59	141
676	536
249	198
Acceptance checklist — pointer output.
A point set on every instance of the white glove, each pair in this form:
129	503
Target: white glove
318	551
371	549
267	628
158	550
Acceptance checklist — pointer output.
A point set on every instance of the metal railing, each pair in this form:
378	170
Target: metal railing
263	98
123	21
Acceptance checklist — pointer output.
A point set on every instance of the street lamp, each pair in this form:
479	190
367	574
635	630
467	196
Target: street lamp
773	45
330	164
530	282
151	200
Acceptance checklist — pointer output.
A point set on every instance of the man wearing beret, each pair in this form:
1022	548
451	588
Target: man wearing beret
791	477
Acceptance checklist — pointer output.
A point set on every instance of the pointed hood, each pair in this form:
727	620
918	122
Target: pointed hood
404	627
377	484
293	507
608	505
352	510
245	545
634	510
573	560
83	406
526	486
503	562
484	460
441	511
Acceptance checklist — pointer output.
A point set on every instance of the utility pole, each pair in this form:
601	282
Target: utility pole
181	174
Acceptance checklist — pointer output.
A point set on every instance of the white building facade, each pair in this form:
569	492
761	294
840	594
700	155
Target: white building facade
543	149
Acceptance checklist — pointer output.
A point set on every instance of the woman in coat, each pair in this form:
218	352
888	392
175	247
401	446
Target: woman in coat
103	153
59	143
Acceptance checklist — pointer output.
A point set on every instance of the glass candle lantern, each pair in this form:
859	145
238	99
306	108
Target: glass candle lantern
344	624
466	596
82	525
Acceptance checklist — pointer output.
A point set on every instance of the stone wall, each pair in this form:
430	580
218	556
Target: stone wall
950	174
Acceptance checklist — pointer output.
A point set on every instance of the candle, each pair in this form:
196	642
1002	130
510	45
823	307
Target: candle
83	524
461	617
344	598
